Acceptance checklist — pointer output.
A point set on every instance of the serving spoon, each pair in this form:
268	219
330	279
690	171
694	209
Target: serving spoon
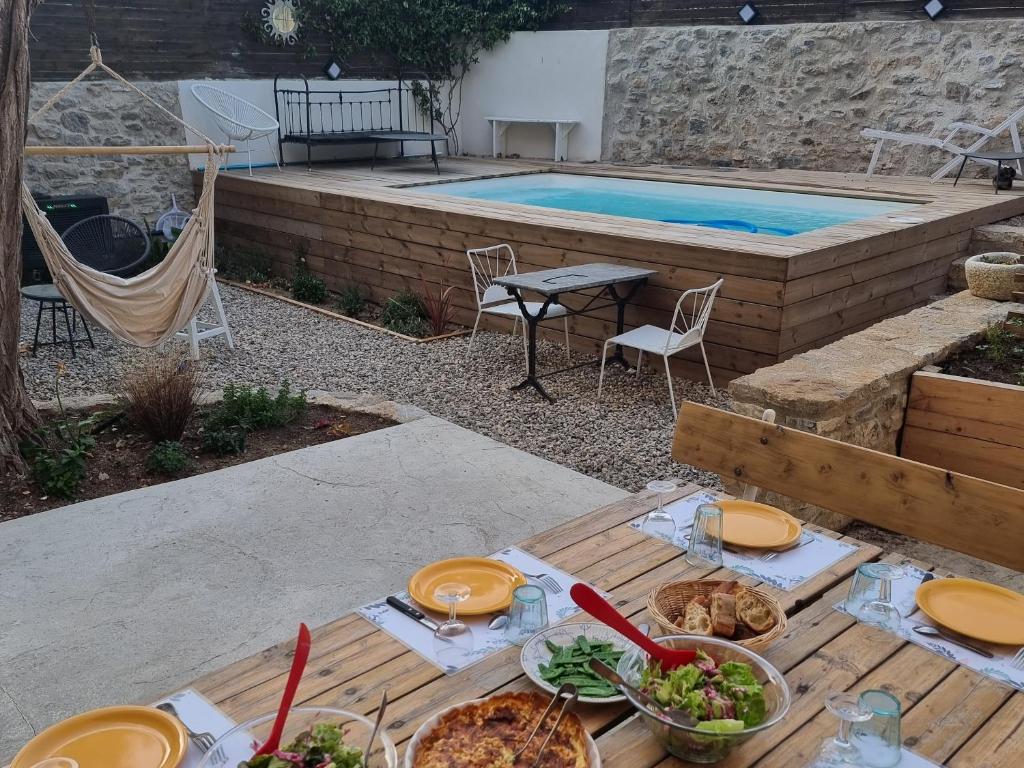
591	602
302	645
662	712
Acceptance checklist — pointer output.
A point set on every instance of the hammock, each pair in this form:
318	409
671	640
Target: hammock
149	308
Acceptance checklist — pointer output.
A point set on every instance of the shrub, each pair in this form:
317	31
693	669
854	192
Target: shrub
999	343
245	264
168	458
57	451
404	314
224	441
306	286
249	409
160	397
351	301
438	307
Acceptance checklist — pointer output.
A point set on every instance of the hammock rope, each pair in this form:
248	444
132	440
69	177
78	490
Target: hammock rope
153	306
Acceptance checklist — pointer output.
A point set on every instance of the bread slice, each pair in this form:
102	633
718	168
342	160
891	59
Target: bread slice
723	614
753	612
695	620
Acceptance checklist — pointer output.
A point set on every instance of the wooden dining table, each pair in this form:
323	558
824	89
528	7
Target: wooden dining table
952	715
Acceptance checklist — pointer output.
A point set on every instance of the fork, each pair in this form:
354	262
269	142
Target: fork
775	553
1017	662
204	741
553	586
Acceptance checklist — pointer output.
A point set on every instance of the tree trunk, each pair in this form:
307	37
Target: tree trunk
17	414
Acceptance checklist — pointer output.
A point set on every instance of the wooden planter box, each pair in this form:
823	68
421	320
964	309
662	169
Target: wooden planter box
966	425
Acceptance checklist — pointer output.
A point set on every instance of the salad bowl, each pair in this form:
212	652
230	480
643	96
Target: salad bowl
710	742
238	744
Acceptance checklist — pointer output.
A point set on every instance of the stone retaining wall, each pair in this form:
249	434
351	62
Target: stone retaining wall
104	112
797	96
855	389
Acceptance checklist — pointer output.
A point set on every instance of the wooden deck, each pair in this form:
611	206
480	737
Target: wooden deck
951	714
782	295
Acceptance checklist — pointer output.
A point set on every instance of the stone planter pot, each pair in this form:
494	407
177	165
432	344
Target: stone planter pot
992	275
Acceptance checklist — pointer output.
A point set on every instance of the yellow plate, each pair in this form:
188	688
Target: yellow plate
975	609
112	737
490	582
757	526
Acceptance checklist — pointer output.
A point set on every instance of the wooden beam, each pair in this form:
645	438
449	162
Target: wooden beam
196	149
963	513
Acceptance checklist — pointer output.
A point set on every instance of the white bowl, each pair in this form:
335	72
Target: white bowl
421	733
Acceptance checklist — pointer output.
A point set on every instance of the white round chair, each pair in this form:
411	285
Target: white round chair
239	119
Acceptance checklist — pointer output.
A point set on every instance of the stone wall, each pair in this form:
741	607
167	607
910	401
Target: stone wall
797	96
856	389
107	113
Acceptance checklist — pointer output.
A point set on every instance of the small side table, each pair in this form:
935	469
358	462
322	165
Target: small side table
996	157
48	296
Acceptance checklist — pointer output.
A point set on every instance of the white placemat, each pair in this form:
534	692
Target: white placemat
913	760
997	668
201	716
787	570
485	641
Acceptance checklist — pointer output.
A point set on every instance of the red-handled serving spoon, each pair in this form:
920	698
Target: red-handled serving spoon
273	741
591	602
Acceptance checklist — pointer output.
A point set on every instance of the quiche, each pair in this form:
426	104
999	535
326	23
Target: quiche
487	733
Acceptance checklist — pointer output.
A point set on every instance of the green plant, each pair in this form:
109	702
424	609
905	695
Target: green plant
404	314
57	451
245	264
998	343
351	301
161	396
306	286
250	409
439	308
168	458
224	441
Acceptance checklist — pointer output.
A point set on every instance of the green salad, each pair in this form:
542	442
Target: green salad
321	747
721	698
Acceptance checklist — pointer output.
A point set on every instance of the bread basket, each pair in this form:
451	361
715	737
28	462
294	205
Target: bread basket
667	603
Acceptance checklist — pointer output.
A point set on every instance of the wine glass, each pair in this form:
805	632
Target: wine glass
453	639
870	597
659	523
838	751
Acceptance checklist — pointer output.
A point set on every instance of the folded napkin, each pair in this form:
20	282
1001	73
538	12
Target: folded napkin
485	641
786	570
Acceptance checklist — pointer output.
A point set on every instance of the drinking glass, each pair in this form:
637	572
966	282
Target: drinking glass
870	596
838	751
705	546
878	739
528	614
453	640
659	523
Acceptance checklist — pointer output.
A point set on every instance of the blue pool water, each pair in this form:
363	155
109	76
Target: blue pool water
730	208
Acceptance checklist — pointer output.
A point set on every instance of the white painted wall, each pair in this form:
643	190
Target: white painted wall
539	75
261	93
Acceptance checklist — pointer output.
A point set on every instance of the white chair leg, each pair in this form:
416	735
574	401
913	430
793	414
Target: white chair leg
469	349
220	312
707	368
273	152
193	338
600	379
568	356
874	158
526	342
639	361
671	392
248	146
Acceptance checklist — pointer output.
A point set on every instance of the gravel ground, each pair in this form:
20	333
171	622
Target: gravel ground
624	440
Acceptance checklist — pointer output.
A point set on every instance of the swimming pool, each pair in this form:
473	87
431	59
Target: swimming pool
744	210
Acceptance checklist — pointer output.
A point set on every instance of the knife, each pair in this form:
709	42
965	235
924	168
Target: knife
412	613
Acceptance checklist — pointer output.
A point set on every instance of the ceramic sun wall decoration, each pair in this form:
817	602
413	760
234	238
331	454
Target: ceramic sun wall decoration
281	21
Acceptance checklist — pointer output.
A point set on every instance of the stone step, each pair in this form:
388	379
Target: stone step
997	237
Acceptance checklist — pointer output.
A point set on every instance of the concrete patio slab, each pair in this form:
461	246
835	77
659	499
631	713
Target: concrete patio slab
124	598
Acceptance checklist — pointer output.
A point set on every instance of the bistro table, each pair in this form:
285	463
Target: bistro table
617	285
951	714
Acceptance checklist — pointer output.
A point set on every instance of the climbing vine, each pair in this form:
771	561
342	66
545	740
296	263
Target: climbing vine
432	42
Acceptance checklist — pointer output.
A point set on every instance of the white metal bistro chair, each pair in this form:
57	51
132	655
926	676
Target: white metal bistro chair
239	119
689	320
498	261
943	138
